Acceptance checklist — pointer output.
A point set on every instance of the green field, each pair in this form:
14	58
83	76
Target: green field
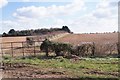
85	67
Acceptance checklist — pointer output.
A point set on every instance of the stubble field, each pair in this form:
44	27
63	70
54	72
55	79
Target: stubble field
82	38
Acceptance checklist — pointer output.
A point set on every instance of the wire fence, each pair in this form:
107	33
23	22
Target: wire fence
23	49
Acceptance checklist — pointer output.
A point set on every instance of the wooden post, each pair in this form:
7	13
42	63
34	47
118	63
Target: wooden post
12	48
2	52
118	49
2	64
34	49
93	49
23	50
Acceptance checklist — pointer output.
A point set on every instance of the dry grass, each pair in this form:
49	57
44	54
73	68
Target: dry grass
81	38
12	39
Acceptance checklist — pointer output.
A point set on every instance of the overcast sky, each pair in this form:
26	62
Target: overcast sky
81	16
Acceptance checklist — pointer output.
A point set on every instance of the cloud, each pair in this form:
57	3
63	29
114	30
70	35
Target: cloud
105	9
50	11
18	25
102	13
8	24
25	0
3	3
90	23
38	17
102	19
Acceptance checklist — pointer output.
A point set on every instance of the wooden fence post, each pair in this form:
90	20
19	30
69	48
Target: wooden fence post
34	49
2	52
118	49
23	50
93	49
12	48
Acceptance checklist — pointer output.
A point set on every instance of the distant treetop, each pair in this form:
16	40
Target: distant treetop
12	32
65	28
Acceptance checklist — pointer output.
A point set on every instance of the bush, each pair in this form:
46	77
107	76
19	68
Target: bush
84	50
30	41
60	49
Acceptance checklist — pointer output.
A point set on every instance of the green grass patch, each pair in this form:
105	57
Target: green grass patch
86	67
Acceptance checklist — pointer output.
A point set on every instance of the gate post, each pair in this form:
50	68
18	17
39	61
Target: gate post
12	48
23	50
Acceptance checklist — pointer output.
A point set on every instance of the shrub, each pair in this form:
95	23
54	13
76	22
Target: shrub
60	49
30	41
84	50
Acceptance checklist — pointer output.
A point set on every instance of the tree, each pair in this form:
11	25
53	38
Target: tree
45	46
65	28
12	32
60	49
4	34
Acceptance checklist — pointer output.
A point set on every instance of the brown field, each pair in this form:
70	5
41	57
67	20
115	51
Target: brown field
12	39
6	41
97	38
74	39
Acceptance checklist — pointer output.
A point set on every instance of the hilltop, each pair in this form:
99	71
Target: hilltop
43	31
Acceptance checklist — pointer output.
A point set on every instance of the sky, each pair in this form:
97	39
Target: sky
81	16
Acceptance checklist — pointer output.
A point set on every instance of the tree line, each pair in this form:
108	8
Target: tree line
32	32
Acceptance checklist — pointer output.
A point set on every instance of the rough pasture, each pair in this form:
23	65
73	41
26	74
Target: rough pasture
83	38
59	67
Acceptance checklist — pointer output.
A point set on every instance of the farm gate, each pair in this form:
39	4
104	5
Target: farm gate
16	49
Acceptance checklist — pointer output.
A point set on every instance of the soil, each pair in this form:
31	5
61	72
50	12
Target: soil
26	71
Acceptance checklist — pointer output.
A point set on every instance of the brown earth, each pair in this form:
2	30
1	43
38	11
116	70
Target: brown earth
29	71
